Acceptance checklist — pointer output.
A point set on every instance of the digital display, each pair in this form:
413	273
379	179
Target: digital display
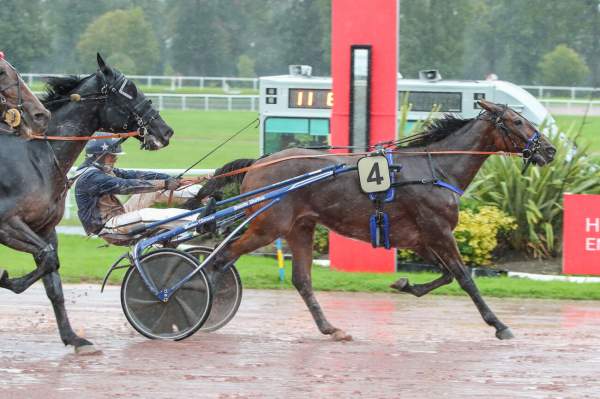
311	98
424	101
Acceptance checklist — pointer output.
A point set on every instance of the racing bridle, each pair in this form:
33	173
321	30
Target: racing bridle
531	144
138	112
11	113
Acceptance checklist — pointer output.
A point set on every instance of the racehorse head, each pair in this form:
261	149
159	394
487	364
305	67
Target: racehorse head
19	107
515	134
126	108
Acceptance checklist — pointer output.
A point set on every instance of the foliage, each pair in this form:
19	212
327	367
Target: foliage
534	200
24	37
300	36
431	36
321	240
563	67
121	32
124	62
476	234
245	66
201	42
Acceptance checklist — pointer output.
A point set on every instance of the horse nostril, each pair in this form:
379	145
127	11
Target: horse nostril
551	151
41	117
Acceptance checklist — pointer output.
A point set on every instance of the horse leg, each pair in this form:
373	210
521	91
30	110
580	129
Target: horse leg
54	290
300	241
448	251
17	235
419	290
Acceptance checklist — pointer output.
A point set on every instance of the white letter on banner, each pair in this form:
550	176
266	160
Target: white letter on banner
592	223
591	244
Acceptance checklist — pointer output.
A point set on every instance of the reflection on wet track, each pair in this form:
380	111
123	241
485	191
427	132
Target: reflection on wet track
403	347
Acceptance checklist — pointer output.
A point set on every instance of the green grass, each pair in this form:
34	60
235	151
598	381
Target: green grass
196	133
590	130
84	260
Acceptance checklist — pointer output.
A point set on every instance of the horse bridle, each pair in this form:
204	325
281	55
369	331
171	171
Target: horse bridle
532	143
12	114
142	117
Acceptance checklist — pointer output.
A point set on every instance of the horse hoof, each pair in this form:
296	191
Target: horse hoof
340	335
401	284
87	350
504	334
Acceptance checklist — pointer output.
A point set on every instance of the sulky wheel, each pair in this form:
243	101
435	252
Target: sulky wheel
185	311
226	289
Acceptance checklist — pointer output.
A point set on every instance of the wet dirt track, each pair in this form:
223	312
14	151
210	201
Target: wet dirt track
404	347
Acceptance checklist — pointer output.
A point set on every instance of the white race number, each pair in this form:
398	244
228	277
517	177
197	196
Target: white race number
374	174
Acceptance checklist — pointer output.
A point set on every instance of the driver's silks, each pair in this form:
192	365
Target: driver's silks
379	224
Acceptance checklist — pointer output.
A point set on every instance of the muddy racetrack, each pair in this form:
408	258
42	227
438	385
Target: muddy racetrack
404	347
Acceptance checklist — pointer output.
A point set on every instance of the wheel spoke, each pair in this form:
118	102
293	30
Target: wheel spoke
168	273
140	303
189	313
159	319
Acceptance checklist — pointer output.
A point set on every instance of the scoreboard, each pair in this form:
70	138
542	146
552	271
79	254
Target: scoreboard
295	109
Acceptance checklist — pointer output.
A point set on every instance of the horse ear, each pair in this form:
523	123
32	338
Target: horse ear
489	106
101	64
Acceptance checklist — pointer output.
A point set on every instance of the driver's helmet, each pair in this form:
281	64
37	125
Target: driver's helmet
99	146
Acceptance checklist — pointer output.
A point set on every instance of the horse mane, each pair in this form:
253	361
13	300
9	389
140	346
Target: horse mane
57	89
434	130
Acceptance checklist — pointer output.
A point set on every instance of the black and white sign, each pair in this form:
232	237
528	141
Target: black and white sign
374	174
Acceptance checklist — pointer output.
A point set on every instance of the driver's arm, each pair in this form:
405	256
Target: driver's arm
107	184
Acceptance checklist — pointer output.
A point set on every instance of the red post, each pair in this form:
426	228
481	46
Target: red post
373	23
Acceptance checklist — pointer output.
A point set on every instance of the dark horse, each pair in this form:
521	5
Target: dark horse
34	183
422	216
19	107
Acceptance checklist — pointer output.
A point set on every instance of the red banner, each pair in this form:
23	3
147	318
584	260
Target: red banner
581	234
373	23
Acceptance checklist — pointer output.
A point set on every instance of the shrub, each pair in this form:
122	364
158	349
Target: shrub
321	240
476	234
563	66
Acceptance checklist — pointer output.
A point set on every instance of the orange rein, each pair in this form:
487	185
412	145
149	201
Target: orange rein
86	138
448	152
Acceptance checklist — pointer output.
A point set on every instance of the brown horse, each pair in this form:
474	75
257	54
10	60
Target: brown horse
21	110
422	216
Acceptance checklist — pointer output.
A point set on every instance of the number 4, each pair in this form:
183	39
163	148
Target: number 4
375	175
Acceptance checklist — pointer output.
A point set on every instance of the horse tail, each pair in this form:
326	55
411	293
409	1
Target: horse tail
215	183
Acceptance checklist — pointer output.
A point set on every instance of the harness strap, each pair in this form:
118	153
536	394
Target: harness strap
275	161
435	182
87	138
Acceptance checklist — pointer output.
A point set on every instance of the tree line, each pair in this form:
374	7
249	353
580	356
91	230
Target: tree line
527	42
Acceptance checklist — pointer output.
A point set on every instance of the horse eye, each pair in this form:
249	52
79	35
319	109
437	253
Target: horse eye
518	122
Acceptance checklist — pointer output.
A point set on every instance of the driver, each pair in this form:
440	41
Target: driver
97	182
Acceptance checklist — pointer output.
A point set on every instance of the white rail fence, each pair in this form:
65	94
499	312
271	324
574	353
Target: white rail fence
172	82
563	91
558	99
205	102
